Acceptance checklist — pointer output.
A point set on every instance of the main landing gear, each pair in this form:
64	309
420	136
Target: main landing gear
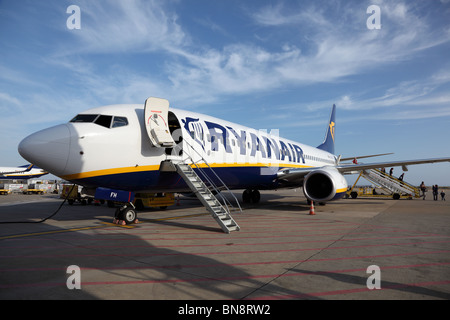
125	214
251	196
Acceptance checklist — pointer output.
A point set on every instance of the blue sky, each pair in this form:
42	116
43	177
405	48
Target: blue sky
264	64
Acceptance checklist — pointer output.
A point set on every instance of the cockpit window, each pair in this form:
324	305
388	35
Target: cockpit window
102	120
119	122
84	118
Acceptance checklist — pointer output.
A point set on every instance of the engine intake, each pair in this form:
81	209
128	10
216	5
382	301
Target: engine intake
324	184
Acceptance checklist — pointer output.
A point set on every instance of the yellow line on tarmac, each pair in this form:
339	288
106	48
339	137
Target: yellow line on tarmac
174	218
117	225
49	232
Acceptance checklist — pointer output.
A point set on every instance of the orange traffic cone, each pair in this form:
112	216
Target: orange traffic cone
311	209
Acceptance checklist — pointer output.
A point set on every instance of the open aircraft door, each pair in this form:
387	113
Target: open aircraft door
156	122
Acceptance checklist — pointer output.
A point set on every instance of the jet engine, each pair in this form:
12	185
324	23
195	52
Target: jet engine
324	184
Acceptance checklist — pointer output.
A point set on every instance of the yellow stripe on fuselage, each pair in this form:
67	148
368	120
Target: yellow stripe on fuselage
259	164
106	172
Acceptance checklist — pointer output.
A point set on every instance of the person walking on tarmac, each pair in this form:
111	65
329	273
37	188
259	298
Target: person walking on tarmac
423	188
435	192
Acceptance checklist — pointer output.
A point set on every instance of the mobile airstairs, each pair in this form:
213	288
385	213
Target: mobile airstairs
197	174
205	189
397	188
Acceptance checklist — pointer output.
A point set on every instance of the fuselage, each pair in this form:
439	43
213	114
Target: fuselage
109	147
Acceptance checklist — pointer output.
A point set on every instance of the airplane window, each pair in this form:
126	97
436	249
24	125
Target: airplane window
84	118
119	122
104	121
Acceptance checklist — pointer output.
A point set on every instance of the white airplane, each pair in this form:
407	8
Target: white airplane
28	171
123	147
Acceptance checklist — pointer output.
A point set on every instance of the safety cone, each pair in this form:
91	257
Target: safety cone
311	209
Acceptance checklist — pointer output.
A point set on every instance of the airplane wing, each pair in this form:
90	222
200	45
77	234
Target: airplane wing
361	157
291	175
349	168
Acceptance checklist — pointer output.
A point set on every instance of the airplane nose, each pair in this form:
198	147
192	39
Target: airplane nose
48	149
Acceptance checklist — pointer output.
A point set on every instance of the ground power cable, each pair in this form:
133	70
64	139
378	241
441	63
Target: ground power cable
45	219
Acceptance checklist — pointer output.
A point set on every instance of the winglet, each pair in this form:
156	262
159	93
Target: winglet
328	143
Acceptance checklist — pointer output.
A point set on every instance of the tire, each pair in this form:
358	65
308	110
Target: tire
246	196
128	215
255	196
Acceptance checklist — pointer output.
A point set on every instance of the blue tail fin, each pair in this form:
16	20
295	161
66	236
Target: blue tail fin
328	143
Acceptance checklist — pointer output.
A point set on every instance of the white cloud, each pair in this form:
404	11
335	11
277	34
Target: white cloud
5	98
338	45
343	45
126	26
272	15
334	46
338	48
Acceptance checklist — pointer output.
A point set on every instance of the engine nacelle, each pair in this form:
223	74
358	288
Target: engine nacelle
324	184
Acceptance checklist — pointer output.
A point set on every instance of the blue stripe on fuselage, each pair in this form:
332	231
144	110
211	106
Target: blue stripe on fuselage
233	177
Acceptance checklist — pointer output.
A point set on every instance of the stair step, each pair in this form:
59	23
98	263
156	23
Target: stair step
228	222
234	228
388	182
202	192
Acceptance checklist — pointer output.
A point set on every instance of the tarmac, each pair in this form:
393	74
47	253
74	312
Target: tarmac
351	249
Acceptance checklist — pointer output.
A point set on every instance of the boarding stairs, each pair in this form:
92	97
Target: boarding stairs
390	183
206	190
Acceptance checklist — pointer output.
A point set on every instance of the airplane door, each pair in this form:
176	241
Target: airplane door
156	122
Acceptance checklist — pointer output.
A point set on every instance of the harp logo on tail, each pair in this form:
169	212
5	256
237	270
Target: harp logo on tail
332	129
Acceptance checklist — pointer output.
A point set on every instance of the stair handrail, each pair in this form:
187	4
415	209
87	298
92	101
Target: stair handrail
400	183
207	178
390	182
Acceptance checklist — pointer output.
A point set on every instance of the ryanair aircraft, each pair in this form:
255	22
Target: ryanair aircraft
27	171
125	147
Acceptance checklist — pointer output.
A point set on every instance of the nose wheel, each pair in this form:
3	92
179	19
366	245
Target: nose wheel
126	215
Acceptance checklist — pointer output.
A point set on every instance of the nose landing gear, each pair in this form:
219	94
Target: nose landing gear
126	214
